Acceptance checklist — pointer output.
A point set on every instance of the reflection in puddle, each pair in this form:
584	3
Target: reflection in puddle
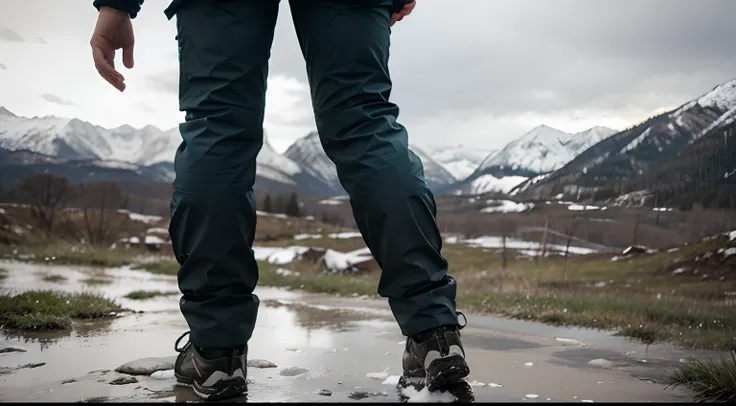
313	317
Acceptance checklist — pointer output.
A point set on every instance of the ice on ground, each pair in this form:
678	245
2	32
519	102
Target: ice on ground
392	380
506	206
425	396
143	218
307	236
344	235
164	375
379	376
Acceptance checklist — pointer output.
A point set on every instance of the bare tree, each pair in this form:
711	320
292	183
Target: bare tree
45	193
100	201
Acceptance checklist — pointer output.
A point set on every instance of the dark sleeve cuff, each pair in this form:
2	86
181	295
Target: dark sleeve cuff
132	7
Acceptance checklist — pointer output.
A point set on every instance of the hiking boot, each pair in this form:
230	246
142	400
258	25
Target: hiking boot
437	356
213	374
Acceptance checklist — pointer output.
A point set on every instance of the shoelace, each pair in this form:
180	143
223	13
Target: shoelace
176	344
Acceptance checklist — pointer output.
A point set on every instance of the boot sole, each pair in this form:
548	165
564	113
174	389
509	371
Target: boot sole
224	389
447	371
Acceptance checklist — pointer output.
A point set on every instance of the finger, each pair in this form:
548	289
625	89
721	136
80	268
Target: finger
128	57
104	65
409	8
106	70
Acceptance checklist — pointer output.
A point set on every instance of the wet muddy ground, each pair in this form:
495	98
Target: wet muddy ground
325	349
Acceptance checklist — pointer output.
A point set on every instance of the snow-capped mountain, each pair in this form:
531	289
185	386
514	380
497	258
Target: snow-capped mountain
646	147
540	151
309	154
460	160
127	148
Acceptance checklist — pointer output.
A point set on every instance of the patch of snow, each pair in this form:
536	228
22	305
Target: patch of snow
662	209
678	271
2	211
286	272
134	240
157	230
729	252
578	207
529	364
345	235
277	215
392	380
732	236
531	396
338	261
307	236
425	396
489	183
507	206
143	218
153	240
379	376
278	256
330	202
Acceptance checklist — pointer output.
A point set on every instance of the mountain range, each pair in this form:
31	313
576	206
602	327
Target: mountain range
543	162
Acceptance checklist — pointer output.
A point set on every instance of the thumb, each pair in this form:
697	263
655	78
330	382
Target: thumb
128	56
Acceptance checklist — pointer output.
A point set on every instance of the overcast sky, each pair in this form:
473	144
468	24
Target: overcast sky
476	72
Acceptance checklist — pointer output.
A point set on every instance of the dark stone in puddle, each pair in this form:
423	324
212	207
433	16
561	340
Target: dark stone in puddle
124	380
361	394
325	392
66	381
11	349
147	366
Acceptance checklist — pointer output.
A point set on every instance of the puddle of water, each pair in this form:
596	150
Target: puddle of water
338	341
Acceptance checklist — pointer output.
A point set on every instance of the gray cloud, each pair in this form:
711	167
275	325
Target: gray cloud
52	98
166	82
6	34
144	107
509	57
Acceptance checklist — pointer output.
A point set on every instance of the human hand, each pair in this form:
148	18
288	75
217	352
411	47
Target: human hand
403	13
113	31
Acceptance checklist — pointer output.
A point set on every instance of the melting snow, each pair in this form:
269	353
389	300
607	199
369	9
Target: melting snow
345	235
569	341
307	236
330	202
338	261
392	380
286	272
141	217
153	240
425	396
578	207
489	183
507	206
2	211
279	256
380	376
531	396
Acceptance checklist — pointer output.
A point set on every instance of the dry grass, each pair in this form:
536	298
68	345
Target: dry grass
713	381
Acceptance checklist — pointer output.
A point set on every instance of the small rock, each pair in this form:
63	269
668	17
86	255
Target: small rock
359	394
124	380
11	349
293	371
260	363
325	392
66	381
601	363
147	366
164	375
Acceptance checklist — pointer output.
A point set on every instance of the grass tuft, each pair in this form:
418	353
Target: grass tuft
713	381
49	310
148	294
54	278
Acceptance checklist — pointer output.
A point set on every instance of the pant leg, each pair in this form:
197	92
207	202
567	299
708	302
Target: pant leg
346	47
224	49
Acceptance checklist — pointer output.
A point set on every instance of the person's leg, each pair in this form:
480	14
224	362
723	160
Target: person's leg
346	47
224	49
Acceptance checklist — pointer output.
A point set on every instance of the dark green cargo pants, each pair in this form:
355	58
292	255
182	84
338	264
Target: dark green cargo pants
224	49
